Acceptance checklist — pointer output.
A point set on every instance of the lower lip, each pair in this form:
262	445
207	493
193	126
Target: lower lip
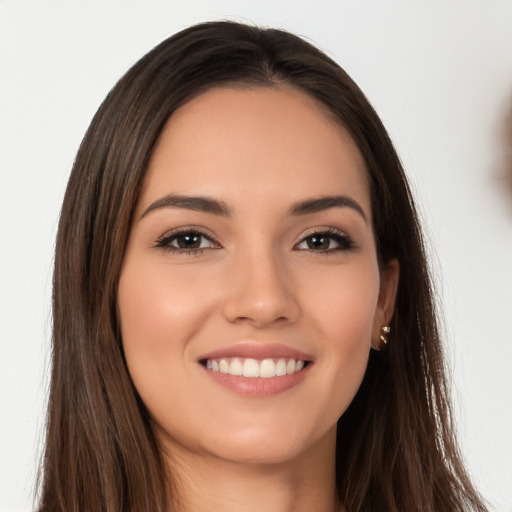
258	386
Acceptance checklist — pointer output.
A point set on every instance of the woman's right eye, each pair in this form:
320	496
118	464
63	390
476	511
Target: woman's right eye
187	242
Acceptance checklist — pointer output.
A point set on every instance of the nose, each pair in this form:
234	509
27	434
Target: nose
260	292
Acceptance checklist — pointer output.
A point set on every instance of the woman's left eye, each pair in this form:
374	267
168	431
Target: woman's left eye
326	241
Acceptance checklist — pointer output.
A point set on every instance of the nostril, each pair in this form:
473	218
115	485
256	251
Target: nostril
260	298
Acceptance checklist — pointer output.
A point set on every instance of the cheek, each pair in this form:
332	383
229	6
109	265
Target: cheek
159	314
344	303
154	303
342	313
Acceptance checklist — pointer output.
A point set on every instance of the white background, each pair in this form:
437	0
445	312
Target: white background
440	75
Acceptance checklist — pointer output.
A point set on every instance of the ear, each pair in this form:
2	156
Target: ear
389	276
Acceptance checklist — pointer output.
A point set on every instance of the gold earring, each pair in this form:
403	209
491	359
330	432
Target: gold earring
385	330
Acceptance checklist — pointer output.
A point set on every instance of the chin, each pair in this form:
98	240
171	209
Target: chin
269	454
268	446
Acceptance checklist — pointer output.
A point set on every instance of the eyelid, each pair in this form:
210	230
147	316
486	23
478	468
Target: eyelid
162	241
330	232
327	230
323	229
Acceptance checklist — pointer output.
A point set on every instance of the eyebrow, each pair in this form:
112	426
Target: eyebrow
324	203
216	207
200	204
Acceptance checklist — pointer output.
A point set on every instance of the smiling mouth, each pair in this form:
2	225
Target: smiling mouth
253	368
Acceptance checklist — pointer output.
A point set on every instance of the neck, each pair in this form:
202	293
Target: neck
206	482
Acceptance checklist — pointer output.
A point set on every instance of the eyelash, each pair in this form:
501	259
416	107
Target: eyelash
344	241
164	242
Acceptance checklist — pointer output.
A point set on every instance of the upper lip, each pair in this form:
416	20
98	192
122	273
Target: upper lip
257	351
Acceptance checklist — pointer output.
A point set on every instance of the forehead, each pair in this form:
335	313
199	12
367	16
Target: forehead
257	142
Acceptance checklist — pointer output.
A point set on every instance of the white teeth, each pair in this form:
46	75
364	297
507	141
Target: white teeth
281	367
224	366
251	368
236	367
266	368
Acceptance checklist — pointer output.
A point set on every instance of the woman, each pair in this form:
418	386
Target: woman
236	237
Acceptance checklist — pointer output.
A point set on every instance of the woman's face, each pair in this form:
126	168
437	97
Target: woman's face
251	255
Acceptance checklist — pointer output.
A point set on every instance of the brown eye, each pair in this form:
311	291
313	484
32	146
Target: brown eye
318	242
186	242
326	241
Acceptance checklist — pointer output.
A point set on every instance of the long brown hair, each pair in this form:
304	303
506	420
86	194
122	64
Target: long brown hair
396	449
